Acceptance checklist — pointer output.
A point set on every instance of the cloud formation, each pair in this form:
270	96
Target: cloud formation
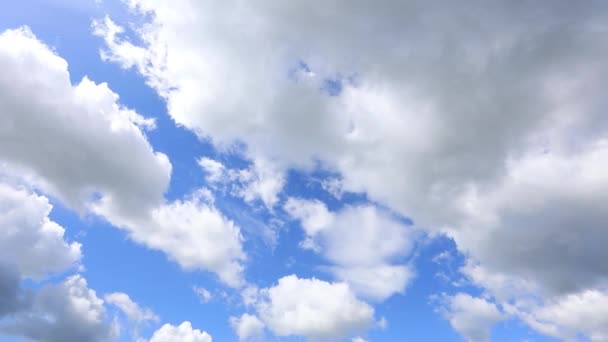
364	245
181	333
106	166
68	311
248	327
471	317
320	310
33	244
481	121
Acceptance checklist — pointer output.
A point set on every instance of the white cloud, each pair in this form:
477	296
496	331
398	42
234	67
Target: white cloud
376	282
193	233
203	294
362	242
127	54
471	317
77	143
30	241
495	133
182	333
569	316
382	323
41	110
69	311
261	181
132	310
312	214
247	327
250	295
216	172
358	339
136	316
333	186
320	310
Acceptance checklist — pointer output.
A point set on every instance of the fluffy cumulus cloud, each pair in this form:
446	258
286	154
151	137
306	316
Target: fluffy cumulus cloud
68	311
181	333
40	110
363	243
105	166
320	310
32	243
248	327
193	233
472	317
33	247
481	121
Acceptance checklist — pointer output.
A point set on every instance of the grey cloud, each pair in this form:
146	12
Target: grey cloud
11	295
69	311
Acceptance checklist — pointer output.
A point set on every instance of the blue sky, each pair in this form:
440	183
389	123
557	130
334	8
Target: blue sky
418	164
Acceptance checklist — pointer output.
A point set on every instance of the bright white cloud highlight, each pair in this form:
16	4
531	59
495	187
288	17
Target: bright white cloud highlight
247	327
471	317
181	333
320	310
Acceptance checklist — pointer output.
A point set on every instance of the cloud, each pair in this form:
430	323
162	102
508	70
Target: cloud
247	327
260	181
320	310
491	133
567	317
181	333
68	311
136	316
78	144
132	310
32	246
11	296
313	215
539	215
363	243
471	317
193	233
41	108
203	294
32	243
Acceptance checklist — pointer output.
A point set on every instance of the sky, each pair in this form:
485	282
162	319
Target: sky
180	170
